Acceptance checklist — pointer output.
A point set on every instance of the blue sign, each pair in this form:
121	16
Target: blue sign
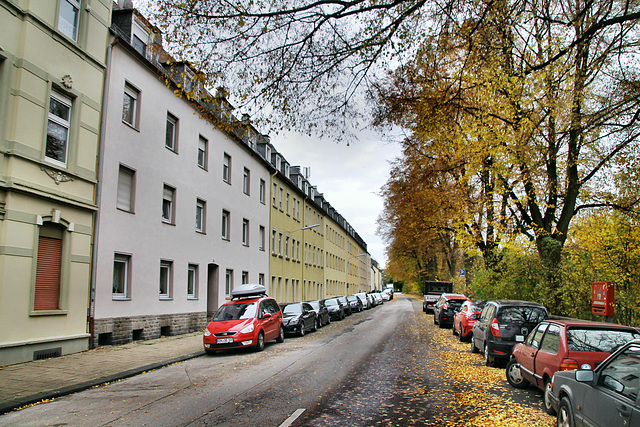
463	273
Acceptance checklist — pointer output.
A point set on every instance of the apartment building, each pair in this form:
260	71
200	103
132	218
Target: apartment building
52	65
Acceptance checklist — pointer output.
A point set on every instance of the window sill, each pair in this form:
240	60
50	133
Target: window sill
201	232
121	298
125	210
192	298
164	221
166	298
55	312
129	125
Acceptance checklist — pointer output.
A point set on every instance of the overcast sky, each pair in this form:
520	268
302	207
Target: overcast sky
350	177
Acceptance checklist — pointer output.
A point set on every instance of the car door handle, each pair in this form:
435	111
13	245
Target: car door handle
532	354
624	411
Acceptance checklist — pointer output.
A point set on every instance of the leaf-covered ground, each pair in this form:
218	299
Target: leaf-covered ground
422	375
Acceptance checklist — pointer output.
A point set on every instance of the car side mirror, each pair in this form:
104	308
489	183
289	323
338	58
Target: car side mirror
584	376
266	315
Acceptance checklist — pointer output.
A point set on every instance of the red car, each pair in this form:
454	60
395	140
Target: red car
563	345
250	319
465	317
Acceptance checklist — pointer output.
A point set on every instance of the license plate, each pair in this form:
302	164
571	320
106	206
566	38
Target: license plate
519	338
224	340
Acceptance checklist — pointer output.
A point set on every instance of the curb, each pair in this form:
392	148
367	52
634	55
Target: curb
11	405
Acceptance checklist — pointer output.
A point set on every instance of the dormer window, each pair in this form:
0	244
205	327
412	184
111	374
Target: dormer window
140	39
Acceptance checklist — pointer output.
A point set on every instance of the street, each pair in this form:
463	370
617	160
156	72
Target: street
386	366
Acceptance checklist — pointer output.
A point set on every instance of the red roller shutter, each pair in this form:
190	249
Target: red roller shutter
48	274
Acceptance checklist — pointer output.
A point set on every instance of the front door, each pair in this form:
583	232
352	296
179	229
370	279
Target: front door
212	290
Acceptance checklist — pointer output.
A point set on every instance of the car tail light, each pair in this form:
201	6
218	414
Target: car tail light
568	365
444	306
495	328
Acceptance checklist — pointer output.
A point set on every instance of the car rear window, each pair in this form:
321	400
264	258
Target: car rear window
292	309
603	340
522	315
236	312
455	303
331	301
315	305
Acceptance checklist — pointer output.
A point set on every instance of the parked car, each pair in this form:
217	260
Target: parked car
322	313
373	302
365	301
251	318
465	317
562	345
501	325
607	396
356	304
377	298
336	310
432	291
345	304
385	295
298	318
445	308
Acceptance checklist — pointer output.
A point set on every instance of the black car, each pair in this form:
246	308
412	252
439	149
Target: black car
322	313
503	324
356	304
445	308
607	396
298	318
336	310
345	303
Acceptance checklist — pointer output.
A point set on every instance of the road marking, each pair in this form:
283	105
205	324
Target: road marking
292	418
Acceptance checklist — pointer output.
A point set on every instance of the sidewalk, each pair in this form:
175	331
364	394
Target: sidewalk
30	382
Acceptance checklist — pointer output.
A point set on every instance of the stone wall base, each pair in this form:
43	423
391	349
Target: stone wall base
123	330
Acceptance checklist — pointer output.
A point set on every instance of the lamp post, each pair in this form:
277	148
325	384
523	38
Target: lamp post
346	272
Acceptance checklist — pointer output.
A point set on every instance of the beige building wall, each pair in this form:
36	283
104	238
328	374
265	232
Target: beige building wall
48	194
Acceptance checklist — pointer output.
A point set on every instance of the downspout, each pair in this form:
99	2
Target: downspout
98	197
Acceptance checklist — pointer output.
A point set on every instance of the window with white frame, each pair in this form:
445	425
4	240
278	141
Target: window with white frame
280	199
263	186
280	243
273	241
140	39
226	168
192	281
261	279
228	282
126	189
226	219
130	105
166	279
69	18
286	247
171	137
262	237
168	202
201	215
203	146
245	232
121	276
246	181
245	277
288	200
58	129
275	193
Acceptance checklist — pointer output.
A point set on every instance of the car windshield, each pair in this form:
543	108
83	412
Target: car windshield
292	309
236	311
352	298
603	340
522	314
315	305
331	302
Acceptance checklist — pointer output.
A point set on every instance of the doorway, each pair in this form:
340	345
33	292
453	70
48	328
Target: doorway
212	290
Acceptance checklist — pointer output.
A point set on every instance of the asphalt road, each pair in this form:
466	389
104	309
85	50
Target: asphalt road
385	366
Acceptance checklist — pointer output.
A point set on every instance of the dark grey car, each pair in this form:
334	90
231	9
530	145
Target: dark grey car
322	313
607	396
503	324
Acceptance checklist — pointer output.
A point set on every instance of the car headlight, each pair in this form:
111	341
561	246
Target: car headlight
207	333
294	321
247	329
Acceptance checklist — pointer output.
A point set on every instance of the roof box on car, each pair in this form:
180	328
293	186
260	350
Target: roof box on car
248	290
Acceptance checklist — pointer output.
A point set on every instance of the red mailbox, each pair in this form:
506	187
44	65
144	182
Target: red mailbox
603	298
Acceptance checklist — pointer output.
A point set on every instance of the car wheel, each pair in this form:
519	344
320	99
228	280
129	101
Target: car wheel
461	337
474	349
424	308
280	338
514	375
260	343
209	351
565	414
318	323
547	397
488	360
328	320
441	325
453	328
435	318
302	331
315	326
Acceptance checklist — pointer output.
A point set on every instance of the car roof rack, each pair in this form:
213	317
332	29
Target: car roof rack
248	291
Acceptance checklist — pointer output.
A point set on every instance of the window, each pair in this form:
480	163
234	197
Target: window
226	168
261	279
287	206
245	277
126	184
192	281
69	18
286	247
273	241
245	232
168	194
622	374
58	129
246	181
48	269
551	340
121	265
201	215
262	191
275	192
262	237
280	243
130	106
281	197
140	39
171	138
228	282
202	152
166	279
226	218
